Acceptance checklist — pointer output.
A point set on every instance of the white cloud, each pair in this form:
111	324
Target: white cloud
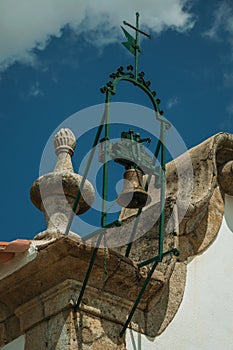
220	15
173	101
222	27
29	24
35	90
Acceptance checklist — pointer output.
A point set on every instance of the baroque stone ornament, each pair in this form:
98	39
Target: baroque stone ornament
54	193
197	227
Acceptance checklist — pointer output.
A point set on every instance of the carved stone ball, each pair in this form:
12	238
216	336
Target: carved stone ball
64	184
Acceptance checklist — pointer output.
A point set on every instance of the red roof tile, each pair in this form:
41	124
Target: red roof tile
8	249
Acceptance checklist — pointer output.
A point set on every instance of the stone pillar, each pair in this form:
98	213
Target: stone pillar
50	322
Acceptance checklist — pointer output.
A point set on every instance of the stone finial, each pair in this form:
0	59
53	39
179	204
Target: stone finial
64	141
55	192
64	144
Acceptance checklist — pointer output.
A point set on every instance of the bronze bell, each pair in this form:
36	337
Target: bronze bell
133	194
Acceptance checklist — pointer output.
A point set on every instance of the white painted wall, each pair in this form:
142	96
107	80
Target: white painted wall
204	320
17	344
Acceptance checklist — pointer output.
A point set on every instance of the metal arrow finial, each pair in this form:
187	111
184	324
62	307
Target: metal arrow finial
133	44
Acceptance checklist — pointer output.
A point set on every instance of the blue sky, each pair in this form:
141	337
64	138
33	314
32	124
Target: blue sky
55	56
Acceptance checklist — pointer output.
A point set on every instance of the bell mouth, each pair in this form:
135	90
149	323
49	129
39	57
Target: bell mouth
134	199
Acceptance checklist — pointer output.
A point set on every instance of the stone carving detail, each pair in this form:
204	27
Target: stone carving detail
55	192
212	177
64	140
